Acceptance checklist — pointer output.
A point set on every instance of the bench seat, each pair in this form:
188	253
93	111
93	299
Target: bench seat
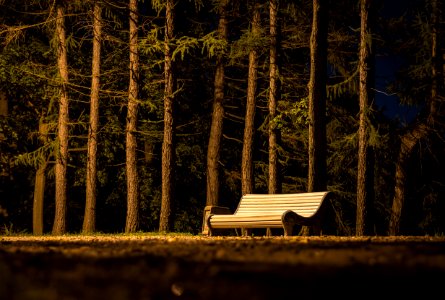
272	211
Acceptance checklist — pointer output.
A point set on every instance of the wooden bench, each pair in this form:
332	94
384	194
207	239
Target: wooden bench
269	211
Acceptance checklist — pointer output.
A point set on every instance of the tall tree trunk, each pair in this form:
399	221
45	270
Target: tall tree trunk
59	225
317	102
274	185
247	178
168	146
407	145
89	220
365	170
131	144
39	184
421	129
317	98
216	128
39	194
3	113
3	104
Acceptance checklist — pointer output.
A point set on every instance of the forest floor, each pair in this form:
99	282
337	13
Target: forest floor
198	267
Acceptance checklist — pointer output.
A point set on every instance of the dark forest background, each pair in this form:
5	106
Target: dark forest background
403	83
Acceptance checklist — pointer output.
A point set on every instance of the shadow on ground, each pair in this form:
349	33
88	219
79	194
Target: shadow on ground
229	268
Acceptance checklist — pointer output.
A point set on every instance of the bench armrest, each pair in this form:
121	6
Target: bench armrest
213	210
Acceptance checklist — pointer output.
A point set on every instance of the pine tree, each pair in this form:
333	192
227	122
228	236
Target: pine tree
317	98
214	145
59	225
247	176
424	127
365	182
168	145
131	127
274	182
89	222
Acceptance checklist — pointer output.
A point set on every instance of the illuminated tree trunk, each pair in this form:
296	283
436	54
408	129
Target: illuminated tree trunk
317	101
274	134
132	111
247	178
421	129
59	225
317	98
216	128
89	221
407	145
39	185
365	170
168	147
3	113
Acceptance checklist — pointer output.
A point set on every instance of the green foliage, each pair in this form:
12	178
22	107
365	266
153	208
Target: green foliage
349	86
36	157
214	45
247	42
151	44
9	230
184	45
158	5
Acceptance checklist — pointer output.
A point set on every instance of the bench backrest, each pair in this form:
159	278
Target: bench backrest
305	204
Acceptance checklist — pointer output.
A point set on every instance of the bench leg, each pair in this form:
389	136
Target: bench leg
246	231
288	228
314	229
289	221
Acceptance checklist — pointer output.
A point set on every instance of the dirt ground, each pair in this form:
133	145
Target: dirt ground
230	268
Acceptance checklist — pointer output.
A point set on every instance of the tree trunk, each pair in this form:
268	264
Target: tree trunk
168	149
3	113
216	128
365	170
39	194
274	185
317	98
317	102
410	139
247	178
89	221
407	145
59	225
3	104
131	144
39	185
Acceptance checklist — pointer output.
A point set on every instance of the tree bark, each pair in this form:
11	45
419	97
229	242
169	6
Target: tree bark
247	178
89	221
365	170
39	185
3	113
3	104
407	145
317	98
168	147
131	128
214	146
59	225
274	185
317	102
